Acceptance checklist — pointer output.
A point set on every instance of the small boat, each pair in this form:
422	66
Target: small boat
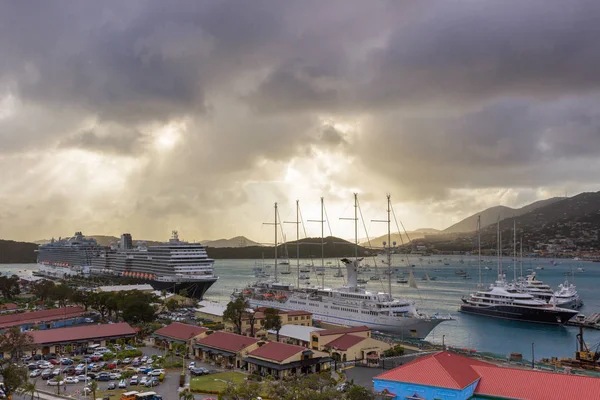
460	272
539	267
304	269
466	277
402	280
320	273
285	262
285	272
304	277
580	270
361	281
487	268
374	278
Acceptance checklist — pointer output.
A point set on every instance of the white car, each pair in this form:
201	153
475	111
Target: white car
192	365
143	380
56	372
123	384
134	380
71	379
115	376
127	360
44	365
157	372
35	373
84	378
54	382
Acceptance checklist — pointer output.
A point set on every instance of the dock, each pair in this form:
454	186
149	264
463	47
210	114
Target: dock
591	322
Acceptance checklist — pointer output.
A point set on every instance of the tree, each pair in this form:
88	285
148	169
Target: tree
9	287
172	304
273	320
93	387
15	342
234	313
61	293
14	377
186	395
28	389
42	289
252	320
359	393
82	297
244	391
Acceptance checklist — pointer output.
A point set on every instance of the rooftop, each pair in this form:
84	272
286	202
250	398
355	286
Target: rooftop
277	351
341	331
88	332
345	342
119	288
56	314
448	370
227	341
179	331
8	307
211	308
297	332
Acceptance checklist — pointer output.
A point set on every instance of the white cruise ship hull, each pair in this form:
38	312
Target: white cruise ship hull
407	327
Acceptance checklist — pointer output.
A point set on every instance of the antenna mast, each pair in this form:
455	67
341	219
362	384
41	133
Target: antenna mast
322	245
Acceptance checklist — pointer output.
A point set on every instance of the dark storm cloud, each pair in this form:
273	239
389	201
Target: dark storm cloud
446	94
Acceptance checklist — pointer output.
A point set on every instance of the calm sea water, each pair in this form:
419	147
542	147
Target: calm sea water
443	296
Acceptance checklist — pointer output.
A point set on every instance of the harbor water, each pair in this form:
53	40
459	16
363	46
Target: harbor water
442	296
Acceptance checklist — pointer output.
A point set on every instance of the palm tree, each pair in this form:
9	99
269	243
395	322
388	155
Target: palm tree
93	387
29	389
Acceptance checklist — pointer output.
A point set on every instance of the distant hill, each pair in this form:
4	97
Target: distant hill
406	237
238	241
572	223
491	215
12	252
309	248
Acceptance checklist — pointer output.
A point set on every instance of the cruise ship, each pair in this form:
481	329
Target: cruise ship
170	266
350	305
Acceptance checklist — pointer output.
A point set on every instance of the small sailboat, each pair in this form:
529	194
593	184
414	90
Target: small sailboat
401	280
374	278
580	270
361	281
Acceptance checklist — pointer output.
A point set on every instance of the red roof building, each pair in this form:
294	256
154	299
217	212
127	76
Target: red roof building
345	342
341	331
8	307
277	351
281	360
39	317
447	375
82	334
225	348
178	332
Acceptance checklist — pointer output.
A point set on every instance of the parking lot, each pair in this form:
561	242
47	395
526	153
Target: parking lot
168	388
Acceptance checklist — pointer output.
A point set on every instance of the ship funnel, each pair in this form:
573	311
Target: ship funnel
352	271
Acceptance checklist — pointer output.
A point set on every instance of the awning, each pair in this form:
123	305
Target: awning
212	350
294	364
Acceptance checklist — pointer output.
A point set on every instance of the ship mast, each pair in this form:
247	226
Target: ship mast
515	250
356	227
275	224
298	241
389	247
479	246
322	245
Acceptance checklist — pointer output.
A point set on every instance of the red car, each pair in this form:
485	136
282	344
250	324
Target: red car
54	362
112	366
96	358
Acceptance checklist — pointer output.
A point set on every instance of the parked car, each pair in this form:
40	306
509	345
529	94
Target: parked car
71	379
199	371
145	370
37	357
134	380
50	356
127	360
96	368
152	382
35	373
143	380
112	386
47	374
88	321
115	376
83	378
56	372
192	365
123	384
112	365
66	361
136	363
54	382
92	375
103	377
33	366
54	361
26	358
157	372
44	364
128	347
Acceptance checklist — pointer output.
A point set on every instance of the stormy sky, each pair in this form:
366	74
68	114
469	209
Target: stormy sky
148	116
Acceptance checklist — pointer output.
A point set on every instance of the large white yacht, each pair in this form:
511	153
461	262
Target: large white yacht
566	296
506	302
533	286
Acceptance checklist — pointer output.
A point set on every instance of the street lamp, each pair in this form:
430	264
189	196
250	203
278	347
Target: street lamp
443	343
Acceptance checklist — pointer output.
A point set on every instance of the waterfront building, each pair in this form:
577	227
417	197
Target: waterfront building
44	319
349	344
224	348
178	333
9	307
281	360
211	311
445	375
79	338
292	317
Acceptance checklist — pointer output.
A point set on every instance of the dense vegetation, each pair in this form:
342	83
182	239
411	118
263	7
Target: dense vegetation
12	252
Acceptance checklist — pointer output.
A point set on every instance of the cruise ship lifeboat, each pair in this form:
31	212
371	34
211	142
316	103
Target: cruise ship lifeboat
269	295
280	297
247	291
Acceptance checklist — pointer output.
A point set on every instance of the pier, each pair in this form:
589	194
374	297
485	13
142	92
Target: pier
591	322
